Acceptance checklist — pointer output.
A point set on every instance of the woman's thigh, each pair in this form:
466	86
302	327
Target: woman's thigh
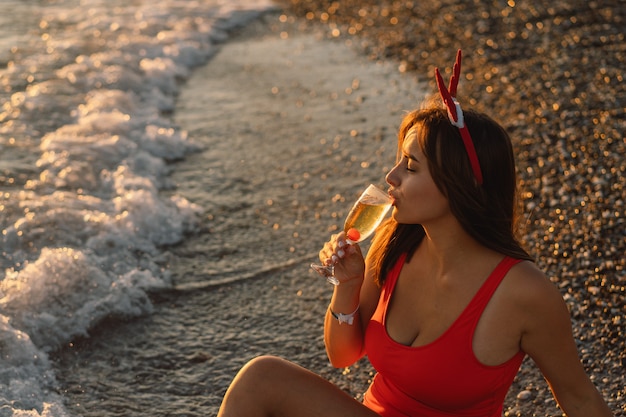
271	386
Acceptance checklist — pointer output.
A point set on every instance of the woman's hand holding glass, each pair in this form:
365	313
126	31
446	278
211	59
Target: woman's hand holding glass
345	258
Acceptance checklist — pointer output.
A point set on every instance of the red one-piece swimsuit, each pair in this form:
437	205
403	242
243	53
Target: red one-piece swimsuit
443	378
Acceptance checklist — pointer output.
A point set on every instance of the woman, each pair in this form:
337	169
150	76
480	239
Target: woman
447	303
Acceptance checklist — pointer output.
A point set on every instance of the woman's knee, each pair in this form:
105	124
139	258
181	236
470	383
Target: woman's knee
261	388
265	368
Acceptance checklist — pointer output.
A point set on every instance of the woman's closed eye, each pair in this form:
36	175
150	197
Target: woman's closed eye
409	164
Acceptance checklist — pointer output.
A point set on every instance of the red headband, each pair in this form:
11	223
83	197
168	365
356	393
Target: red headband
448	95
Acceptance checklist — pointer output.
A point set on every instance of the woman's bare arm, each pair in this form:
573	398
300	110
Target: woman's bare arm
547	338
345	342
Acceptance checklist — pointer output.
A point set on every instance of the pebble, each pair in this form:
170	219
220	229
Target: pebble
524	395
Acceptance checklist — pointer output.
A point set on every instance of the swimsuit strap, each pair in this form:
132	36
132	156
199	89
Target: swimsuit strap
496	277
484	294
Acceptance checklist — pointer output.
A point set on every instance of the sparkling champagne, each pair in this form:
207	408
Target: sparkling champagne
364	218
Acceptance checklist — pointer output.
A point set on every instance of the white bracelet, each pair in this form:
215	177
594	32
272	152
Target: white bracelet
344	318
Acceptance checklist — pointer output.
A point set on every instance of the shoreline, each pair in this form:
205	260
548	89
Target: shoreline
292	127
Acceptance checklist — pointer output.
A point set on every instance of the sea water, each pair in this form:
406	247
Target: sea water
87	88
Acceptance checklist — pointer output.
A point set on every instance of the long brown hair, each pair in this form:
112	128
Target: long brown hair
487	212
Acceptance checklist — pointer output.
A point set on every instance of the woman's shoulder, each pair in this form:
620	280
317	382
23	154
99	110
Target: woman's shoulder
530	290
527	273
526	278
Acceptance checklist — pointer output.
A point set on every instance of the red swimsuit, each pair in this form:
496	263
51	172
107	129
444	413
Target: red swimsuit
443	378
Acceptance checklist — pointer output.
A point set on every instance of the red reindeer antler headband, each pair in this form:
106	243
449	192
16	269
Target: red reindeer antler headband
448	95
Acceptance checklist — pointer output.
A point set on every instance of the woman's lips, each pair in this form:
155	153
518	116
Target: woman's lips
393	198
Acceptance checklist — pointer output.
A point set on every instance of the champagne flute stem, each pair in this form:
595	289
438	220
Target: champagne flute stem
332	279
327	271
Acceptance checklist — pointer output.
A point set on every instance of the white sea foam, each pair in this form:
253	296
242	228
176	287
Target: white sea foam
85	141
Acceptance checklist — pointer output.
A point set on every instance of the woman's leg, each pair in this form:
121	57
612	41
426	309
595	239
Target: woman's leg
269	386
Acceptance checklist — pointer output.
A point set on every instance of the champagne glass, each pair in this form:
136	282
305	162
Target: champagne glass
362	220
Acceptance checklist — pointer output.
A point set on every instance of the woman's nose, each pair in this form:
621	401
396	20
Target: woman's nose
391	177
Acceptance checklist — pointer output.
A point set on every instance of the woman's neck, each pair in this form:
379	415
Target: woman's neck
450	247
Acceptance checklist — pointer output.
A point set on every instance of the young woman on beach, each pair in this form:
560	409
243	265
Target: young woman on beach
446	304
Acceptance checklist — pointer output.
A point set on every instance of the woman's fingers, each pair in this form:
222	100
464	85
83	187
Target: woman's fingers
334	250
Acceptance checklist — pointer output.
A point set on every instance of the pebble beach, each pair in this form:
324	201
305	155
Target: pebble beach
553	74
